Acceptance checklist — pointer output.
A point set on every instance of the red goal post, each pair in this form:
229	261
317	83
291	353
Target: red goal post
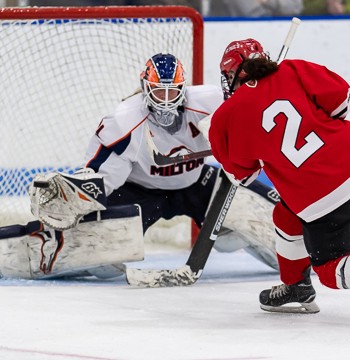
62	69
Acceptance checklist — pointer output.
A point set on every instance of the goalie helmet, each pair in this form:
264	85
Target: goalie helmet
163	85
231	63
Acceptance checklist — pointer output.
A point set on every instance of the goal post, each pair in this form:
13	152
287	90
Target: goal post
62	69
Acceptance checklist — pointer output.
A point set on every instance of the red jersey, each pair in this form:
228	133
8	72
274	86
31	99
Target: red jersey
292	124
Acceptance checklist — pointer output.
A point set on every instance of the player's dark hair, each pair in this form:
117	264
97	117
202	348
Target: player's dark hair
258	68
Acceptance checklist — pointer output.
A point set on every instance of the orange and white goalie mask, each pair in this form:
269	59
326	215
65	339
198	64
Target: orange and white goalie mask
163	84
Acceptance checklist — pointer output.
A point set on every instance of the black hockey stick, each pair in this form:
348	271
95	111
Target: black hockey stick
189	274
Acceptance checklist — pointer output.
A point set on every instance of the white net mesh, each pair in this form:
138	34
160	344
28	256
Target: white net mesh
58	78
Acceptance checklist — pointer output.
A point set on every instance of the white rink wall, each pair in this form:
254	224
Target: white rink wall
320	40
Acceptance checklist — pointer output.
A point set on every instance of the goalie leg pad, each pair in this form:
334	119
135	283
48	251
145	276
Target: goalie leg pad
229	241
250	219
236	240
47	253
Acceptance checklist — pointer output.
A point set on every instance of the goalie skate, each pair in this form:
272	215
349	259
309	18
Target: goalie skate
297	298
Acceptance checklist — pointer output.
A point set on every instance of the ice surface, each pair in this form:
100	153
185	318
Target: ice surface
218	318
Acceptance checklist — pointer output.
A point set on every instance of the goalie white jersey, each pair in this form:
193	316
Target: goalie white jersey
118	151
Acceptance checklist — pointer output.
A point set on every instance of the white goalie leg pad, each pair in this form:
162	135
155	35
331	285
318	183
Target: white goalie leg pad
230	241
14	256
108	271
250	219
89	248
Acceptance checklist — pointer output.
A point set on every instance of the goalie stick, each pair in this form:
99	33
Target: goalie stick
163	160
189	274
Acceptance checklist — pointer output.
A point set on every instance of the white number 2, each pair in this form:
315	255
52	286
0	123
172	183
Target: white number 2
294	155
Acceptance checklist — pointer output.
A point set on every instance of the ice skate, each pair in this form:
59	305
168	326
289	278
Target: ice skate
296	298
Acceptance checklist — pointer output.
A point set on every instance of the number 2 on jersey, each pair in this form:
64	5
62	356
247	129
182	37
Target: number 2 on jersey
296	156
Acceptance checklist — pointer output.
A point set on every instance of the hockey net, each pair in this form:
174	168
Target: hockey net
62	69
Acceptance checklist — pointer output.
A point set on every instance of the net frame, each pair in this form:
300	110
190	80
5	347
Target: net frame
101	12
14	205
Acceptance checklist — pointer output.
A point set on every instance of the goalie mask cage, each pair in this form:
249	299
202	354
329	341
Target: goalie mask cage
62	69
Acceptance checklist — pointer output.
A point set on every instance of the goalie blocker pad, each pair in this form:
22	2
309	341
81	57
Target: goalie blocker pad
35	251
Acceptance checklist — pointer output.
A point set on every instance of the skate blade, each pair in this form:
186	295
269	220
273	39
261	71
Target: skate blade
302	308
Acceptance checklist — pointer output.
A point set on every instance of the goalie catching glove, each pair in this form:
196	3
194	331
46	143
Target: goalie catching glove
61	200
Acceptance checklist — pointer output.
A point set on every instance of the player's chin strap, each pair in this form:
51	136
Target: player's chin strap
61	200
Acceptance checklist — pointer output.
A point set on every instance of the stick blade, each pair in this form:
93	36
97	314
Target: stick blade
183	276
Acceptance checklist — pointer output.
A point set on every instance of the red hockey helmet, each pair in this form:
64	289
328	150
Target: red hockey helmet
231	63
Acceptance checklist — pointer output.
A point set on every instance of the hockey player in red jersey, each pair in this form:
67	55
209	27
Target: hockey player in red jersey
289	120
